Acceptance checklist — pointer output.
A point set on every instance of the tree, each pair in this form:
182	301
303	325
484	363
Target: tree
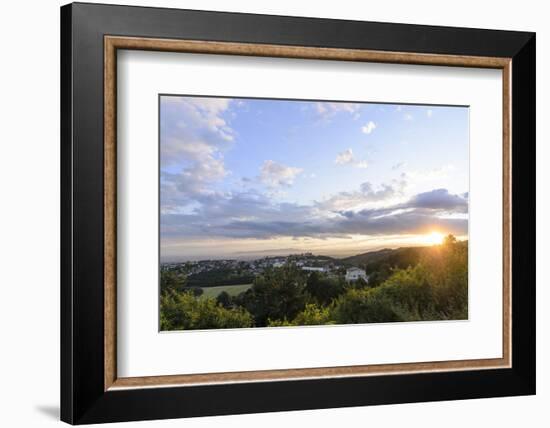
359	306
225	299
379	273
311	315
196	291
410	294
447	265
323	289
182	311
449	240
277	294
172	281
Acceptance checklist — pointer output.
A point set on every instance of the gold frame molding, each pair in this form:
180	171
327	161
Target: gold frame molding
113	43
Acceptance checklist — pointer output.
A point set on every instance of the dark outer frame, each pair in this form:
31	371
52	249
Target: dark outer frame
83	398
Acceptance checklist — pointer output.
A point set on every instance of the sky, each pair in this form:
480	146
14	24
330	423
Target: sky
247	178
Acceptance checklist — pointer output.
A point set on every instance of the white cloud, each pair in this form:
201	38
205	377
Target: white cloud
369	127
201	113
398	165
205	165
408	116
344	157
429	112
194	137
326	110
368	196
347	158
274	174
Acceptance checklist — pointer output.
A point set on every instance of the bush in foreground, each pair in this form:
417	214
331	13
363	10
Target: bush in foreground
183	311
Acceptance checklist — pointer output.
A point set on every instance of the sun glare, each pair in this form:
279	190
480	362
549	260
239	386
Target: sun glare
433	238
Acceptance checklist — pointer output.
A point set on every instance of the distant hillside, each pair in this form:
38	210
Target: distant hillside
399	257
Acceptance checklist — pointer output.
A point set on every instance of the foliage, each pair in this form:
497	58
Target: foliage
360	306
322	289
277	294
311	315
182	311
435	288
225	299
430	283
171	281
447	270
195	291
409	294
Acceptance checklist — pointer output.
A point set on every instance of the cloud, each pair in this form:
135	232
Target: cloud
429	112
385	191
366	195
368	127
344	157
440	199
246	214
274	174
204	164
252	215
194	135
398	165
408	117
194	113
373	222
422	211
191	121
327	110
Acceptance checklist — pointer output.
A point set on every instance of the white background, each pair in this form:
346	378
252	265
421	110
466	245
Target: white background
142	351
29	219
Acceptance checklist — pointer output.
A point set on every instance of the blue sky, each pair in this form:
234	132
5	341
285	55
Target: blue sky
247	177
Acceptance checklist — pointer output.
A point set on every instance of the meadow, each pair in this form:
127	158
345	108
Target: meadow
232	290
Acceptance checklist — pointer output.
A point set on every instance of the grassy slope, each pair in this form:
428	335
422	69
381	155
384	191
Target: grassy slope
232	290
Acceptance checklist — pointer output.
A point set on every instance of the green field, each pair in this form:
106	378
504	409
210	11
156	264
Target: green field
232	290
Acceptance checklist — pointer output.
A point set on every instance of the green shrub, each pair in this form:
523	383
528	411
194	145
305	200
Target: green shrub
322	289
311	315
182	311
277	294
360	306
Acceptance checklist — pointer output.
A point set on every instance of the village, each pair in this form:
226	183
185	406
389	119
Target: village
248	269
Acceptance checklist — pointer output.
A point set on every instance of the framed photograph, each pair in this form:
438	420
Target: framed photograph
266	213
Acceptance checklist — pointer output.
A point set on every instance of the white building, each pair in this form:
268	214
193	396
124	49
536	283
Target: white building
353	274
313	269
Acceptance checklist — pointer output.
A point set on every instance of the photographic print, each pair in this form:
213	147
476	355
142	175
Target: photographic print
280	213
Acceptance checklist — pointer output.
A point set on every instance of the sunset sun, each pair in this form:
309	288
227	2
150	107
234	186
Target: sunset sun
433	238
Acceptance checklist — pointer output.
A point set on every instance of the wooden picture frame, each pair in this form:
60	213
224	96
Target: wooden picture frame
91	390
